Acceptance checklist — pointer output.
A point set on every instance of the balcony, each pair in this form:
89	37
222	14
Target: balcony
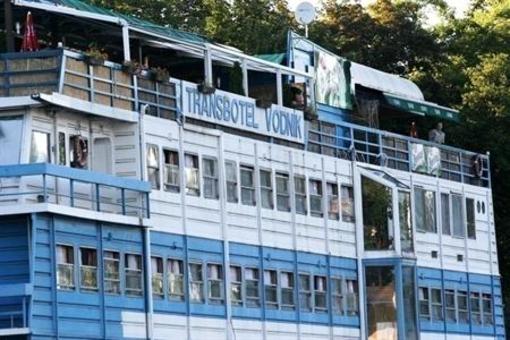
74	188
366	145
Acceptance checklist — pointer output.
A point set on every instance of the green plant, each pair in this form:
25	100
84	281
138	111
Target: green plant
161	74
95	55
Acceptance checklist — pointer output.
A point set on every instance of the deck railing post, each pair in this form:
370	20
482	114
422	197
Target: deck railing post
71	192
98	203
45	189
123	200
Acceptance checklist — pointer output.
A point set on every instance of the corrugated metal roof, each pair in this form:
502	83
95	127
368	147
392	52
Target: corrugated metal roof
85	6
276	58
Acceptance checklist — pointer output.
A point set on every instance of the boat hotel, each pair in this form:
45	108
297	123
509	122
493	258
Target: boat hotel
157	185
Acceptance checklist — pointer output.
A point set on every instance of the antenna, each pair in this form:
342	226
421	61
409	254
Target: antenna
305	14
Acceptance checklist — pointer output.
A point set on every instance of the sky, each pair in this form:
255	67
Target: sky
460	6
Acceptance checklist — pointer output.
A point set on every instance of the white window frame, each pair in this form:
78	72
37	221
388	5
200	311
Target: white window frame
286	290
266	191
280	195
306	293
301	194
217	281
197	282
131	291
232	183
169	170
68	267
117	282
244	188
178	278
88	267
192	190
272	286
236	283
211	179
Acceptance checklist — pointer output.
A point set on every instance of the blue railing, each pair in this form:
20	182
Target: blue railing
367	145
49	183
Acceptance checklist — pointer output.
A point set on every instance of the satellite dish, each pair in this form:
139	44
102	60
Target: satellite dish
305	13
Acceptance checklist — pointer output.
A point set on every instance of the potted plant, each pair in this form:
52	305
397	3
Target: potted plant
264	102
206	88
131	67
310	113
95	55
161	74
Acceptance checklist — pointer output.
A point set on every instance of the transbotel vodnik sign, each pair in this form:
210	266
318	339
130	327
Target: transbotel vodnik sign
240	112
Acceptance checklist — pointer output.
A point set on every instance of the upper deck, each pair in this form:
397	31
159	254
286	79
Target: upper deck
64	78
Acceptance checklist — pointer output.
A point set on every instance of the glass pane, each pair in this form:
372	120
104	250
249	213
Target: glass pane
377	215
470	214
406	229
347	204
445	213
40	147
458	218
10	139
380	300
408	278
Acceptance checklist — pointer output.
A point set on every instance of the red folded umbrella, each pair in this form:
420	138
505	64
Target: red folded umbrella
30	42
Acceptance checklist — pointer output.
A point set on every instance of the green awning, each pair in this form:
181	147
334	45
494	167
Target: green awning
422	108
276	58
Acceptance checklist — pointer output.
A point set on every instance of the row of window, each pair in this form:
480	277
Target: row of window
452	213
240	183
206	282
455	306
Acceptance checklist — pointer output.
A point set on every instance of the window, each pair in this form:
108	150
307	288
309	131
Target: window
40	147
470	214
247	186
423	296
287	290
347	203
271	286
487	309
437	304
210	173
236	292
157	276
300	192
171	178
65	267
266	189
231	179
62	149
333	206
337	295
191	173
476	312
315	198
320	290
215	283
377	215
133	273
175	279
282	192
457	216
305	292
425	210
196	283
251	278
406	228
10	139
351	295
462	306
78	152
153	165
445	214
449	298
88	269
111	262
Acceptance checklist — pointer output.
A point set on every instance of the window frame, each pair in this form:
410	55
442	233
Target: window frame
301	194
306	293
266	189
118	281
192	191
316	197
324	292
214	179
159	276
229	182
236	283
338	296
349	218
132	292
282	196
331	197
200	283
470	225
157	168
72	285
418	223
249	300
171	168
48	148
215	300
244	188
287	290
273	286
96	268
172	296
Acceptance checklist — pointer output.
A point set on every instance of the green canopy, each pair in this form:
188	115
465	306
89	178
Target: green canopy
276	58
421	108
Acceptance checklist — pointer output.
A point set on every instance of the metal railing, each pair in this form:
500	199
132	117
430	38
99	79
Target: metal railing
367	145
49	183
68	73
